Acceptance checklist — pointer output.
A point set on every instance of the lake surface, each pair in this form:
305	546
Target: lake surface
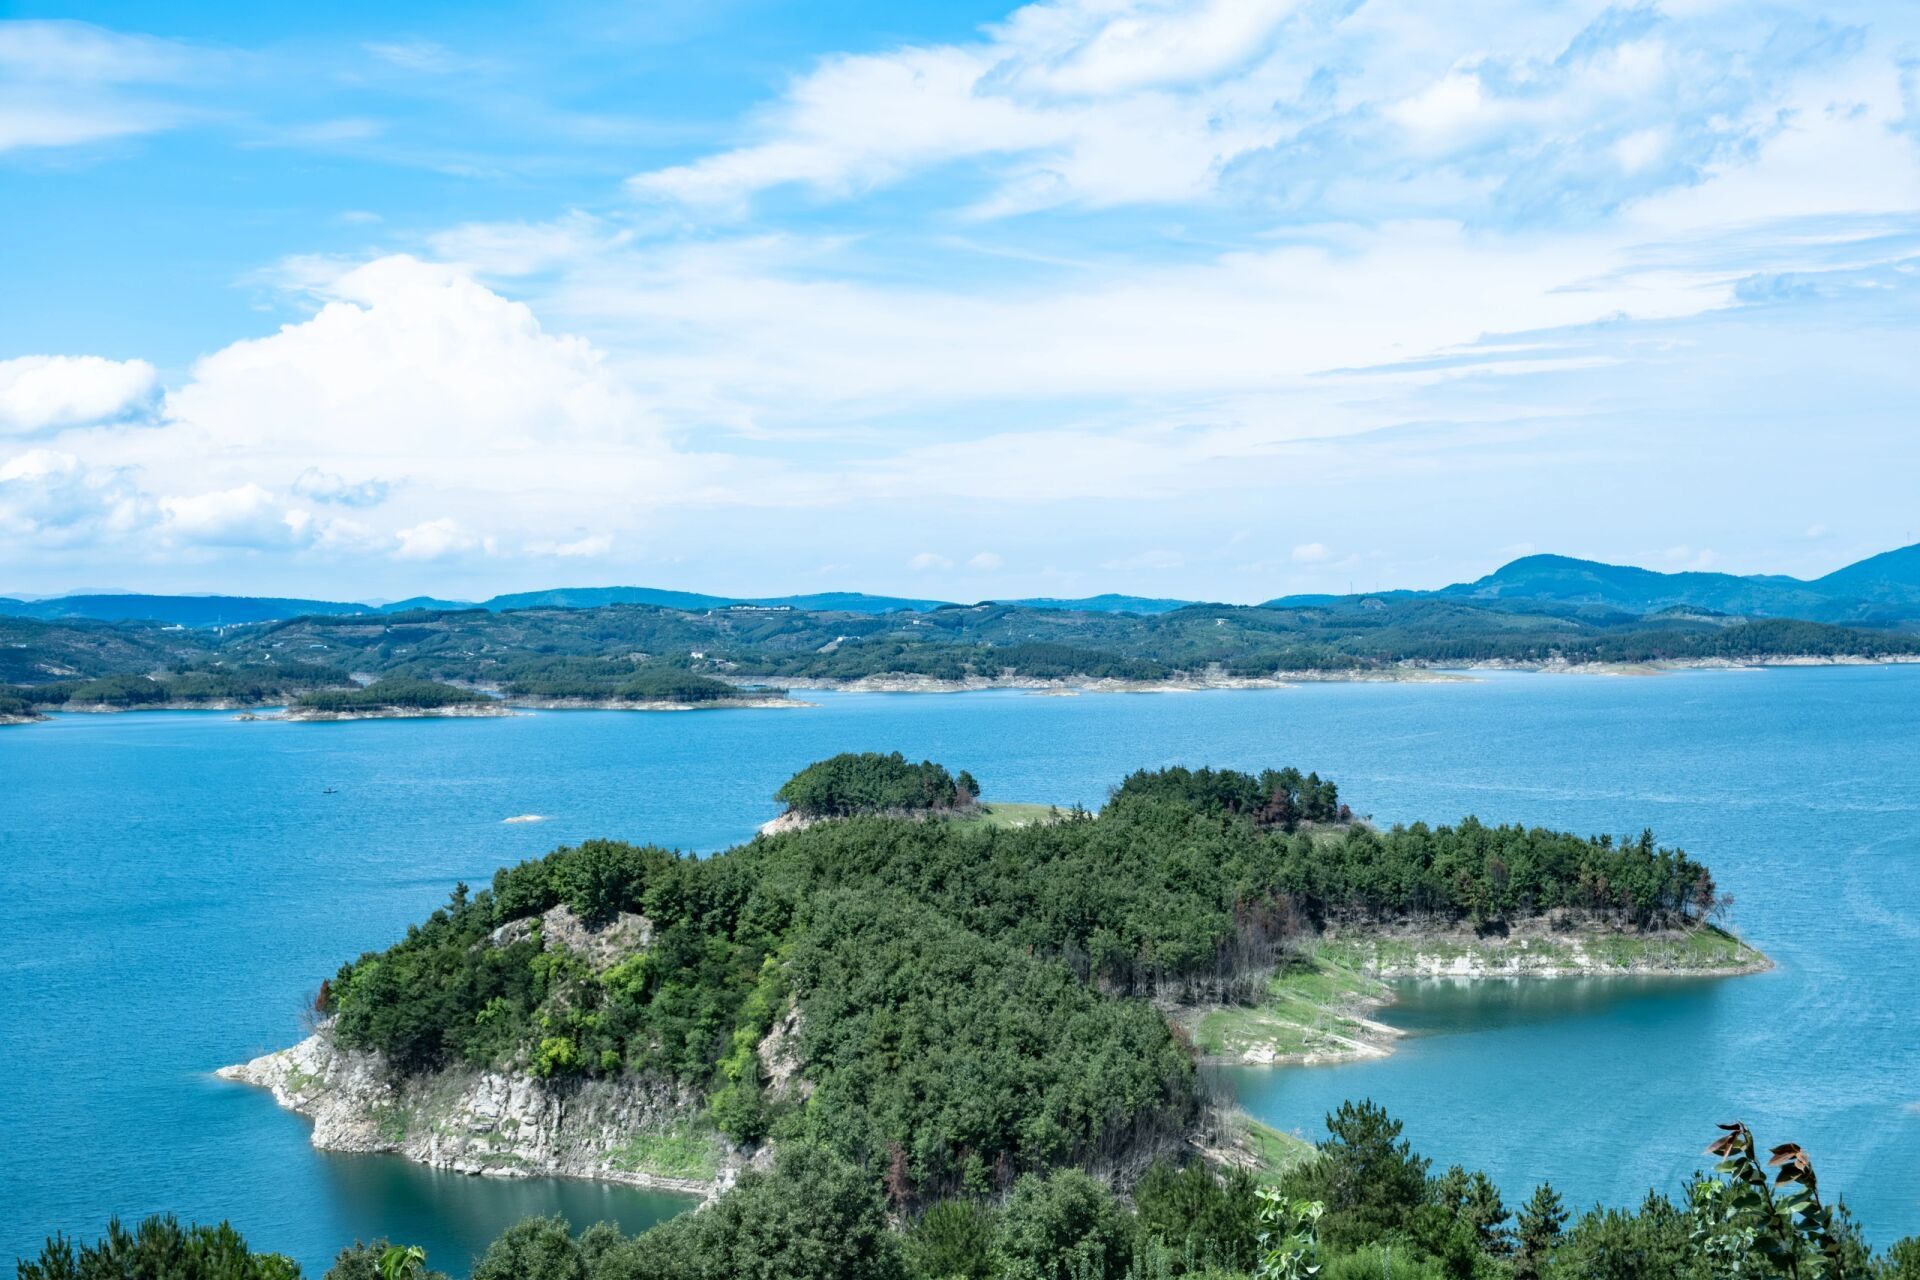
176	885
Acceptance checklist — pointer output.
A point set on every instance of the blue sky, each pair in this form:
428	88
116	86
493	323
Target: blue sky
1201	298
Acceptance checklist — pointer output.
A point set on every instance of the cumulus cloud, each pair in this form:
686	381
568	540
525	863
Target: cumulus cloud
413	360
1310	553
985	562
53	499
325	486
438	539
411	391
47	393
929	560
245	516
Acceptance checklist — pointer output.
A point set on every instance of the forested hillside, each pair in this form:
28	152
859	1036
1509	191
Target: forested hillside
972	1002
639	652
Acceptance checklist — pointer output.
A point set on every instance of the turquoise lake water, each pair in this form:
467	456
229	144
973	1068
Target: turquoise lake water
176	885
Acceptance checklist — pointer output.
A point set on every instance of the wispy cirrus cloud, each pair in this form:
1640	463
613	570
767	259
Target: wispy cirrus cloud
67	83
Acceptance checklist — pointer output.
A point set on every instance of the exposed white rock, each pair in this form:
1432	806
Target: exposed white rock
484	1122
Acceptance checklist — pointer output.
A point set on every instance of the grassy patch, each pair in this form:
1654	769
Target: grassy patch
1004	814
390	1123
1702	950
681	1152
1277	1153
1305	1010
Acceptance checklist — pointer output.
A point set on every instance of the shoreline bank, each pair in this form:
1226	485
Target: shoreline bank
496	1124
1318	1013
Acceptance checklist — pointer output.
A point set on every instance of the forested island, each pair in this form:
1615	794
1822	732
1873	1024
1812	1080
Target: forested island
392	697
910	1032
647	657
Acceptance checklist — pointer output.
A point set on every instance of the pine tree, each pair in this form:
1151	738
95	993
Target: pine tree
1540	1221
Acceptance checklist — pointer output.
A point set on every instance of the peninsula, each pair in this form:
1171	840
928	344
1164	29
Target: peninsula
959	1000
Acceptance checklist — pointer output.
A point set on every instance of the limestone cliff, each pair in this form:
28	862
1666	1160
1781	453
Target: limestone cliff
631	1130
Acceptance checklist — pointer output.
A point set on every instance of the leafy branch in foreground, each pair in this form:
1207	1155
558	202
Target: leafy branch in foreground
1289	1236
1749	1227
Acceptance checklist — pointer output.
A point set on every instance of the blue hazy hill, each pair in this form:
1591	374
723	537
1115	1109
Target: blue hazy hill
1882	589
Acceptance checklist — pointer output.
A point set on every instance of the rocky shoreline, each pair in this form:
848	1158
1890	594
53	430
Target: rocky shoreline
486	1123
899	682
1289	1030
458	711
629	704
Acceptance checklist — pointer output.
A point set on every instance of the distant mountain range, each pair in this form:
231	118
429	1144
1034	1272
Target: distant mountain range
1880	591
1883	590
218	611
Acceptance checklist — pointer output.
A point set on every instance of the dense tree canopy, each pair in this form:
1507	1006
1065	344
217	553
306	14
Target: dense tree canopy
971	999
391	692
645	651
814	1216
869	782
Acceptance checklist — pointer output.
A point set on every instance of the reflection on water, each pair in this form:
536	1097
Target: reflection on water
453	1215
1447	1006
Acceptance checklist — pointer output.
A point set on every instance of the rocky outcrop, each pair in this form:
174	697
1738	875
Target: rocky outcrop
630	1129
779	1052
601	946
791	820
458	711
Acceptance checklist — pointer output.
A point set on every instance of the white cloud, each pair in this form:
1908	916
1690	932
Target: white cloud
325	486
1093	96
985	562
580	548
1311	553
244	516
46	393
929	560
412	361
425	56
412	391
51	499
438	539
521	248
67	83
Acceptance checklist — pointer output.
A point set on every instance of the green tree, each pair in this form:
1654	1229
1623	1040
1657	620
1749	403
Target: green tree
369	1262
1654	1243
952	1240
814	1217
1902	1261
1061	1226
533	1249
1204	1218
159	1248
1366	1175
1541	1219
